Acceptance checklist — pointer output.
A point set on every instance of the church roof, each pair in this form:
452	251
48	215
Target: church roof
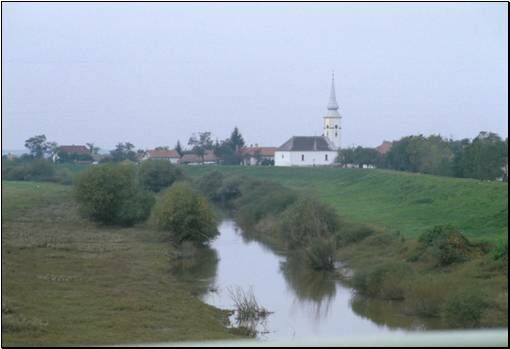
306	143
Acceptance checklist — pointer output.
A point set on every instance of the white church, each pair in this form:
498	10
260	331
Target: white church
314	150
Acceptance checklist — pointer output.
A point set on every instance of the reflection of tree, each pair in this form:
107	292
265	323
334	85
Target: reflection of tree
315	287
391	314
197	266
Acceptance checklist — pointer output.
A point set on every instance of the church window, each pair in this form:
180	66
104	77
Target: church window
302	157
326	157
336	126
336	134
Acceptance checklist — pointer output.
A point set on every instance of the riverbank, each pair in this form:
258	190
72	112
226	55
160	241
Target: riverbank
67	281
442	277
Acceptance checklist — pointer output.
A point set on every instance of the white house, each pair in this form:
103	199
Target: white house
170	155
314	150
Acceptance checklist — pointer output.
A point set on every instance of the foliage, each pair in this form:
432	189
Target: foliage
178	149
359	156
210	183
29	169
38	146
349	234
64	156
320	254
186	215
385	281
123	151
446	243
111	194
201	143
307	221
156	175
229	150
465	309
500	251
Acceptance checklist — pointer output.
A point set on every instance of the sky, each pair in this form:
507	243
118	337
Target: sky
155	73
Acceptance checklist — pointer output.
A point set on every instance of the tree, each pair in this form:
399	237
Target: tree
201	143
186	215
178	149
38	146
93	149
156	175
229	150
112	194
123	151
359	156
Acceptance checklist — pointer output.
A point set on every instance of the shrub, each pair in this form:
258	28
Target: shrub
321	254
306	221
111	194
446	243
351	234
156	175
186	215
465	309
387	281
210	183
500	251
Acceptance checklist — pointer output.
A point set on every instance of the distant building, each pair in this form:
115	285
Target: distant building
384	147
170	155
306	151
72	152
258	155
194	159
314	150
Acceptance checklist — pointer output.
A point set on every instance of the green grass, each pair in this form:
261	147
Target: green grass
66	281
408	202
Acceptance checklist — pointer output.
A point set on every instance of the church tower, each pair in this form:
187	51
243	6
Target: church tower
332	119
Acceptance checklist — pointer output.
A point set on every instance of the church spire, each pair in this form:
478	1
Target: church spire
332	104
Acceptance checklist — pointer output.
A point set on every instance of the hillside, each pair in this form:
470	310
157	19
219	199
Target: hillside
408	202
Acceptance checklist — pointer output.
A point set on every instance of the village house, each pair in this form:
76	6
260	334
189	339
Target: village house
314	150
384	147
170	155
255	155
194	159
72	152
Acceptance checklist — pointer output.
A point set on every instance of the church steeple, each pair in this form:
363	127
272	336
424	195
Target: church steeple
332	119
332	104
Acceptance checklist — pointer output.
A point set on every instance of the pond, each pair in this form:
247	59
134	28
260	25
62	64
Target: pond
304	303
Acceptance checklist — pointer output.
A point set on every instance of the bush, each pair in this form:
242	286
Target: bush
351	234
29	170
111	194
500	251
156	175
210	183
465	309
387	281
306	221
321	254
186	215
446	243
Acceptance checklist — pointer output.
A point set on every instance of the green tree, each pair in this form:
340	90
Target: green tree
111	194
201	143
178	149
156	175
123	151
38	146
229	150
186	215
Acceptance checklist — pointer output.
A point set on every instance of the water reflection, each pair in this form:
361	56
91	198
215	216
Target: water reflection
304	303
310	286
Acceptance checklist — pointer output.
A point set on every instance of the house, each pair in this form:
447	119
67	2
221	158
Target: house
194	159
162	154
384	147
314	150
255	155
72	153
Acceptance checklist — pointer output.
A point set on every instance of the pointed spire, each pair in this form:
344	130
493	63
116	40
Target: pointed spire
332	104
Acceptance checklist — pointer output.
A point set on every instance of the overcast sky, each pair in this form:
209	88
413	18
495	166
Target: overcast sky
155	73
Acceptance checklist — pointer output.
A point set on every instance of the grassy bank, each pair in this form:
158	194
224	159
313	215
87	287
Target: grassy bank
442	278
66	281
399	201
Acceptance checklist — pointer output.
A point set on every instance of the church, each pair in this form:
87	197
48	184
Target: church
314	150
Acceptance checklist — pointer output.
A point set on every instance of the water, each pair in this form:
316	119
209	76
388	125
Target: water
305	303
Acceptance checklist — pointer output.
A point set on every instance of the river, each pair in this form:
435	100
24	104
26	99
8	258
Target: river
304	303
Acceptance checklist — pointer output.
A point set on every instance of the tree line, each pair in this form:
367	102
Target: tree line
485	157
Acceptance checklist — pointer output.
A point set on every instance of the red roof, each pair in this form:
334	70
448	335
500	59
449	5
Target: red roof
262	151
163	154
384	147
73	149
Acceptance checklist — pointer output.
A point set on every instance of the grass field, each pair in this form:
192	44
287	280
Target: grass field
66	281
408	202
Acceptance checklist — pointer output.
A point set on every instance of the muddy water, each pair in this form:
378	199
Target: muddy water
305	303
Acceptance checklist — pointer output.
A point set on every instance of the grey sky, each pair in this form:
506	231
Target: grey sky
154	73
